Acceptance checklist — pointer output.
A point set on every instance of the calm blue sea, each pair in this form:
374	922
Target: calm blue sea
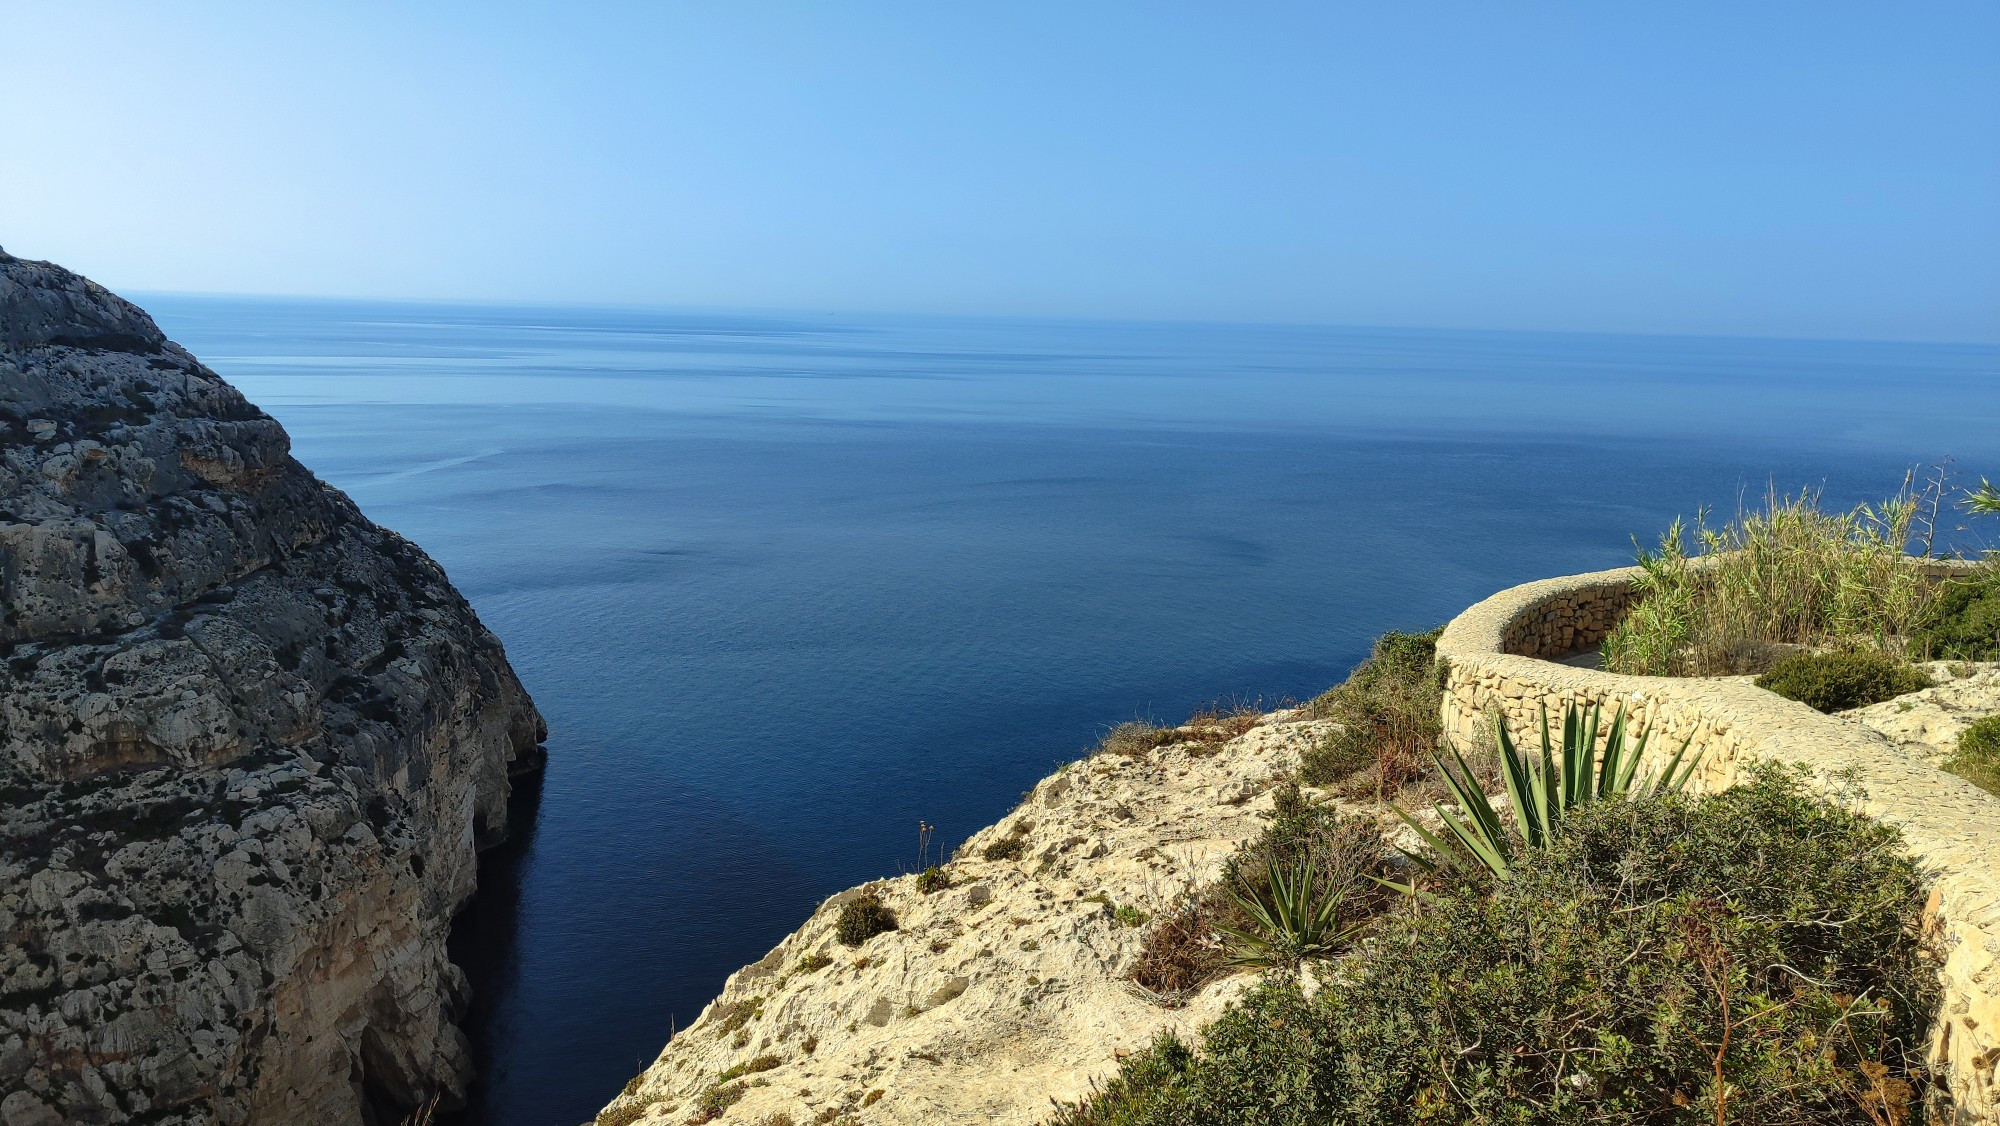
785	585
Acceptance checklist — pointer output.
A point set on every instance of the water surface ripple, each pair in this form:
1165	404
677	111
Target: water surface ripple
785	585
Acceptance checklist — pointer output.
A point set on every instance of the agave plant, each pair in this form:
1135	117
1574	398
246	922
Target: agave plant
1542	790
1294	922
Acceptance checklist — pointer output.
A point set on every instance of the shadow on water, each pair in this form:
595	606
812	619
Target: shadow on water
485	938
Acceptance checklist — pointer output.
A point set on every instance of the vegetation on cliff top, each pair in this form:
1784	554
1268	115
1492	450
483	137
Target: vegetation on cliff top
1966	624
1785	576
863	917
1793	576
1746	956
1387	710
1843	679
1186	948
1542	792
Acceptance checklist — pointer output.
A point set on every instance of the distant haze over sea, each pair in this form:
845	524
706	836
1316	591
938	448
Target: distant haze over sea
783	586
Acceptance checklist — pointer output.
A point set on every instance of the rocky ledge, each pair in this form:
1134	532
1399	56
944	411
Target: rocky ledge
1006	988
1926	724
250	744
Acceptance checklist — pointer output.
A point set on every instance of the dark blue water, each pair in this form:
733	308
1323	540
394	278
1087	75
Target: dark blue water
785	585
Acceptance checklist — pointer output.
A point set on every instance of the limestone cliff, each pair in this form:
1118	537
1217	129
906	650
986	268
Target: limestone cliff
1004	990
250	744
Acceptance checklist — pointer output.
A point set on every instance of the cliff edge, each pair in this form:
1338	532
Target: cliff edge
250	744
1003	990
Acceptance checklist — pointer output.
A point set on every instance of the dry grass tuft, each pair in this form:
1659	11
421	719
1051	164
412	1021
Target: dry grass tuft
1225	720
1134	738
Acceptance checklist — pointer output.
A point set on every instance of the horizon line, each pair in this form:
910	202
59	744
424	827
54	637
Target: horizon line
1066	318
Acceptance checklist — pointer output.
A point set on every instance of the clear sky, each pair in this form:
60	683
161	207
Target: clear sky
1808	169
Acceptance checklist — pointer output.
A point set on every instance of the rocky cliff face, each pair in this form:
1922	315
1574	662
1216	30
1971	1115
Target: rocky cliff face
250	744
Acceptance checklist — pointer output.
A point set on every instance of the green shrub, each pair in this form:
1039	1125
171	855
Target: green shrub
1788	575
933	878
1343	850
1966	624
862	918
1981	738
1656	635
1835	682
1978	757
710	1104
1387	710
765	1062
1006	848
1138	1095
1595	987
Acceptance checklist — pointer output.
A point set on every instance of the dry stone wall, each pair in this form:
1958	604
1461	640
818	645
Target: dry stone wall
1495	652
1571	620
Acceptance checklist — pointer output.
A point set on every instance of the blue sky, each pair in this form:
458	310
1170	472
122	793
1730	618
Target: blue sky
1811	169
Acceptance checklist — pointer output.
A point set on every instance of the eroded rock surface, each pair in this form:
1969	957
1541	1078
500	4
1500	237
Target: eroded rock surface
1001	991
249	746
1926	724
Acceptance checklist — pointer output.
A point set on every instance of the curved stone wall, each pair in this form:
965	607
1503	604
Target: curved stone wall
1494	651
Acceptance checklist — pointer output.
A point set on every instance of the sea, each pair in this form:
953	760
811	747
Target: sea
786	585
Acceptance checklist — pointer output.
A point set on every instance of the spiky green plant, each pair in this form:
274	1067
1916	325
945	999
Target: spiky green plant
1293	922
1542	790
1985	499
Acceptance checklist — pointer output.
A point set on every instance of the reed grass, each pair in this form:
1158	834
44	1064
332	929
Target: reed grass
1728	600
